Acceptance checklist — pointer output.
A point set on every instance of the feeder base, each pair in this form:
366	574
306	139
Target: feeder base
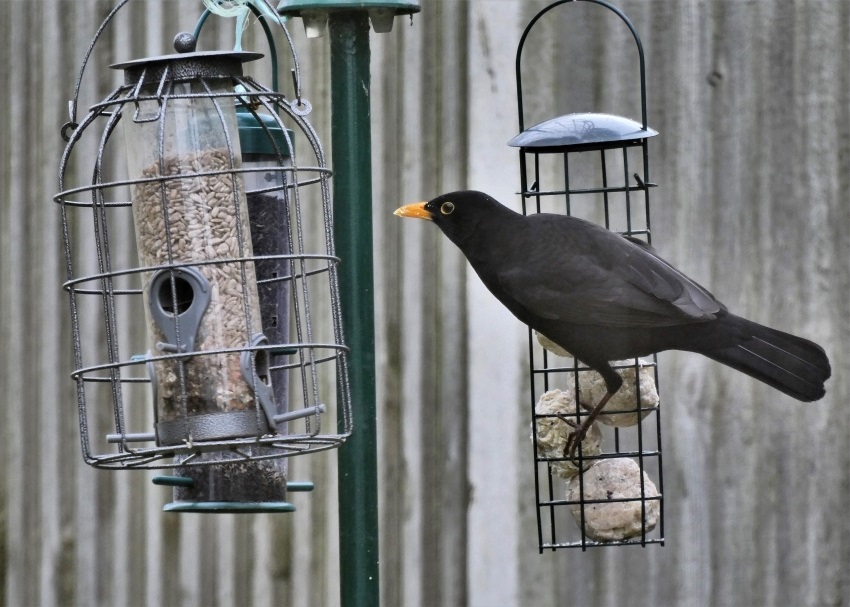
229	507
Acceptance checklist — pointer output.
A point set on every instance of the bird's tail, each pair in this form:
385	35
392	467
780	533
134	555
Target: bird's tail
791	364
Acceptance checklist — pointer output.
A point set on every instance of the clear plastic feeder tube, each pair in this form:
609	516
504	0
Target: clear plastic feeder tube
193	233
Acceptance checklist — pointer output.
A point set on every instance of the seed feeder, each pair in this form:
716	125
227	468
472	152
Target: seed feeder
264	143
242	324
595	165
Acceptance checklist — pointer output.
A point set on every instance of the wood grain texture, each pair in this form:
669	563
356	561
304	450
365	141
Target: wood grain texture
752	103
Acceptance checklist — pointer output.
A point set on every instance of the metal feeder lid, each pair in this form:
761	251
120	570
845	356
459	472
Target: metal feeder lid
293	8
186	63
581	129
254	132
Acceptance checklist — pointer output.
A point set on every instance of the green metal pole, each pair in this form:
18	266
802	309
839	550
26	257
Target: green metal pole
352	203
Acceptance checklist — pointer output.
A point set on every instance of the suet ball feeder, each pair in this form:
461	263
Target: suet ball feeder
613	152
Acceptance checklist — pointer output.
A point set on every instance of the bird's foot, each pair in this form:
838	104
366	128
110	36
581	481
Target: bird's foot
571	449
574	439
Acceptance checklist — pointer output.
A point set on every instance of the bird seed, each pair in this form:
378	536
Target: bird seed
188	212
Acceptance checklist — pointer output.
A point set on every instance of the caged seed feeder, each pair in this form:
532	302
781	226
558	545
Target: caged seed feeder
234	272
596	165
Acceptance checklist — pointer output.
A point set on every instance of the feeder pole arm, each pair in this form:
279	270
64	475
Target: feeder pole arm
352	205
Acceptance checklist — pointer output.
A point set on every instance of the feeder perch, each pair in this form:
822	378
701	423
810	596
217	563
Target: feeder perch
242	334
315	13
595	165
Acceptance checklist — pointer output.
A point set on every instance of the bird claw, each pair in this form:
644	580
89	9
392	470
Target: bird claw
573	440
571	448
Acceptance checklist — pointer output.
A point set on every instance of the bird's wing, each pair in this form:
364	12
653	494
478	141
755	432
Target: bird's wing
588	275
668	283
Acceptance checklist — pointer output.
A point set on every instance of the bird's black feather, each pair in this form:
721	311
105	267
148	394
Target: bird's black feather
605	297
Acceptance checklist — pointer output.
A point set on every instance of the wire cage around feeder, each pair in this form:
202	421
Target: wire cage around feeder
234	273
593	165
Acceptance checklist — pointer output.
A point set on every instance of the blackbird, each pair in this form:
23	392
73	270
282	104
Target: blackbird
603	296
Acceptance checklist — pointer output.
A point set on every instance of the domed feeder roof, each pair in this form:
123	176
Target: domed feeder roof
581	129
186	66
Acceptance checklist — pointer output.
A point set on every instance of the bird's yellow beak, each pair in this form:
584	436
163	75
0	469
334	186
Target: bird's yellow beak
416	209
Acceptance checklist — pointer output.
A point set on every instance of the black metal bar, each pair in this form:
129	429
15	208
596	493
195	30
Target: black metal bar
603	190
612	8
628	192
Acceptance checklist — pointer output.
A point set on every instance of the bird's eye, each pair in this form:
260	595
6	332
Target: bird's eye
446	208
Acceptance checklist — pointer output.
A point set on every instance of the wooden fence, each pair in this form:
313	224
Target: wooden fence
752	102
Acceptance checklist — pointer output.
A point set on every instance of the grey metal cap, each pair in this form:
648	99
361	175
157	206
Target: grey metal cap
581	129
186	66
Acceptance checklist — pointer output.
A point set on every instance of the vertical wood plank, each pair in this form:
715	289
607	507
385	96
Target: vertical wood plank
752	101
497	404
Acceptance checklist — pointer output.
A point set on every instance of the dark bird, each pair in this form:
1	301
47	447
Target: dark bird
603	297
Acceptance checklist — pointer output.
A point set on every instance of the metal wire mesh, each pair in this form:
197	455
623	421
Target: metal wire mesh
602	178
109	284
563	505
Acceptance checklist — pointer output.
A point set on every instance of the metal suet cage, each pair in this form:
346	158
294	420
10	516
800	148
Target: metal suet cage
595	165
